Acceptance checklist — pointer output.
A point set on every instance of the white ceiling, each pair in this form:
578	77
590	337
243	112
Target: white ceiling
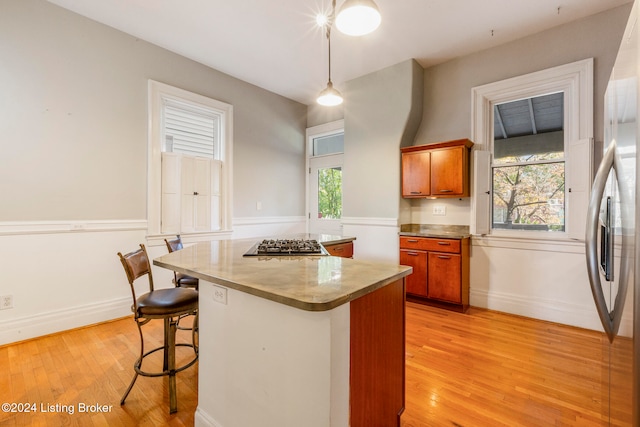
275	44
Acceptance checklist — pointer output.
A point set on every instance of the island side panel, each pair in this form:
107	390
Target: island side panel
267	364
377	374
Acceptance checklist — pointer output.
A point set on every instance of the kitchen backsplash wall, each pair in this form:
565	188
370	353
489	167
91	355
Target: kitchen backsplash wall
441	211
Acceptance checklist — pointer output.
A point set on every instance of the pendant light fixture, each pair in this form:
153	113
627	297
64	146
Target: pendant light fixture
355	18
358	17
330	96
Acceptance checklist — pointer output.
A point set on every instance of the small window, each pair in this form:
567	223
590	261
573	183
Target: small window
528	170
329	144
191	131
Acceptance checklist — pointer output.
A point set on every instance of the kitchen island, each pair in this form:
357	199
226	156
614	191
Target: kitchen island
295	340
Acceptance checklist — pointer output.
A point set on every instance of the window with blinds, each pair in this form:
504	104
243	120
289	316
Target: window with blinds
191	130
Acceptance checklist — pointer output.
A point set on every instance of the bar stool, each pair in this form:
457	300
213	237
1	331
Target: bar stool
179	279
166	304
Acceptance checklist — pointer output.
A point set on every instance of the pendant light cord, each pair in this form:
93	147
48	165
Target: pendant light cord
329	39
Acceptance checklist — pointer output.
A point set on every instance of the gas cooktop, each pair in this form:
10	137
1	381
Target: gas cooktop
290	247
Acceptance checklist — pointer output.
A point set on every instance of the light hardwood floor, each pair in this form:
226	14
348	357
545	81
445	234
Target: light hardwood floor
485	368
477	369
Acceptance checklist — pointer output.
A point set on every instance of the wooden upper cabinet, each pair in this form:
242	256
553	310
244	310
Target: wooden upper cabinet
436	170
416	175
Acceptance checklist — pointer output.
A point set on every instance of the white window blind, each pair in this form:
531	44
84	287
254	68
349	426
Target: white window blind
191	132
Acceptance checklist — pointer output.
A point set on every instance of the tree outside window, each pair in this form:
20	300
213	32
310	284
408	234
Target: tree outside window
330	193
528	170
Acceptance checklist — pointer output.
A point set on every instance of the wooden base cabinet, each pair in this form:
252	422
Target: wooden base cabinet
416	282
344	250
440	271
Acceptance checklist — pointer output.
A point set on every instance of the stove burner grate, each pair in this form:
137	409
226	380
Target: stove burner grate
292	247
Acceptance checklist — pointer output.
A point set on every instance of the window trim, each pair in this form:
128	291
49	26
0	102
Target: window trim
325	129
157	94
576	81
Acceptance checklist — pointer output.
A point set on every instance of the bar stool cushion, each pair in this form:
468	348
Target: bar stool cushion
186	281
163	302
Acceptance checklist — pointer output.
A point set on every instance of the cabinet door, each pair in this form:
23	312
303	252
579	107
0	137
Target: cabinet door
416	282
344	250
416	175
445	277
447	171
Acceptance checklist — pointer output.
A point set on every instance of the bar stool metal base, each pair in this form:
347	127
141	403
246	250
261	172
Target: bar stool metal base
169	358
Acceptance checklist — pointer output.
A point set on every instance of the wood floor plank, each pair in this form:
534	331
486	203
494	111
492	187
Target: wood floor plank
482	368
487	368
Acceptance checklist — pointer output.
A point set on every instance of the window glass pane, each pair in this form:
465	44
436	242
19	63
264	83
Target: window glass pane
529	197
191	132
529	130
329	144
330	193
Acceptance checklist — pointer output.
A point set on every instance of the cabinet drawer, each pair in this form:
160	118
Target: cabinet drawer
344	250
430	244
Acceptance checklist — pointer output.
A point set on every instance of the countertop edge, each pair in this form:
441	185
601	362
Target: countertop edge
338	241
290	302
435	234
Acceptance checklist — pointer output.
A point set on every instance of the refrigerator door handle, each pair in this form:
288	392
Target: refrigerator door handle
591	240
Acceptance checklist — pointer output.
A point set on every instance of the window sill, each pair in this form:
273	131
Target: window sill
560	243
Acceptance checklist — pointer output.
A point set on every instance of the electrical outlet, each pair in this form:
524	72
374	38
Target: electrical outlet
440	210
6	302
220	294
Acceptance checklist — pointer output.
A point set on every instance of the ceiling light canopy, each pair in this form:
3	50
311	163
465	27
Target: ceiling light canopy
358	17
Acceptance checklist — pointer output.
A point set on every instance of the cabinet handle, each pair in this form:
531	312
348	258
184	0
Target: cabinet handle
412	253
444	257
338	249
444	243
416	192
412	241
446	191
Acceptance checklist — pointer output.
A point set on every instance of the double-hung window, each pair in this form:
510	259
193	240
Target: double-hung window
190	162
528	167
533	153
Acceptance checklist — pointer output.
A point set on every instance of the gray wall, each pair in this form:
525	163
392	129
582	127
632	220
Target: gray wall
74	121
447	96
381	112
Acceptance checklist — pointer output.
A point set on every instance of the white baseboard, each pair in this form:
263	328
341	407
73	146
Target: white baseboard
203	419
69	318
543	309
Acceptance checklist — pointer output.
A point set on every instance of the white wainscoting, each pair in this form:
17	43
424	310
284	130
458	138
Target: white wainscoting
66	274
376	238
248	227
541	279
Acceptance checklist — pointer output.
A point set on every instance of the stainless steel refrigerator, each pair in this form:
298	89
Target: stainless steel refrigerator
613	240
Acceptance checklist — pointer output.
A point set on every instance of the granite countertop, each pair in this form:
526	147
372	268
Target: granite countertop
435	230
312	283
